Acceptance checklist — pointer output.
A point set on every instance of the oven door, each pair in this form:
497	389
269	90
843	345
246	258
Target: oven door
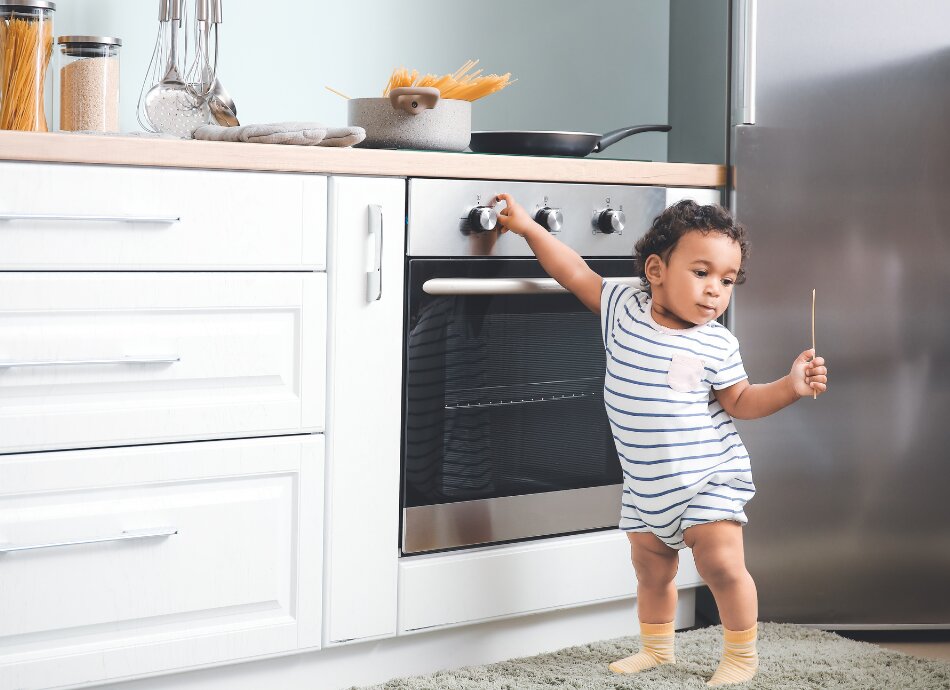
505	434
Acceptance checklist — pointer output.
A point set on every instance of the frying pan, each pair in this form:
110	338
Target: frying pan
578	144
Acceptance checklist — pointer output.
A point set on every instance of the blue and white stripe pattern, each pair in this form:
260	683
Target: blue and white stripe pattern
682	459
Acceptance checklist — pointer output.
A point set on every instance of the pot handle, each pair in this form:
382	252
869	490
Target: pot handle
624	132
414	99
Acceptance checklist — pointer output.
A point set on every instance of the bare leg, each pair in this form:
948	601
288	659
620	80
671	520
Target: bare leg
655	564
720	560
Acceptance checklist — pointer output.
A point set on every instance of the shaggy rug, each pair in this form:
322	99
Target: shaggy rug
791	657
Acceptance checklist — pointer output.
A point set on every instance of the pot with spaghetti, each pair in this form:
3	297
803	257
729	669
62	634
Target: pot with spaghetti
26	45
430	113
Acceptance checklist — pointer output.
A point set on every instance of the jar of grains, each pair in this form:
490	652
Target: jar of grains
26	45
89	83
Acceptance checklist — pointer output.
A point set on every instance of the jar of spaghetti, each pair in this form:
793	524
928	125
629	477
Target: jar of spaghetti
26	45
89	83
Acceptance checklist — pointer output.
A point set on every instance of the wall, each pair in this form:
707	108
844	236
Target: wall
589	67
699	81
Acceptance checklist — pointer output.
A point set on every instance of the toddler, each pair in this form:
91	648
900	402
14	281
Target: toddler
686	473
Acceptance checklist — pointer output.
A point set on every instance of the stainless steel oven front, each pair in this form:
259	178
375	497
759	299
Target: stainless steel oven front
504	431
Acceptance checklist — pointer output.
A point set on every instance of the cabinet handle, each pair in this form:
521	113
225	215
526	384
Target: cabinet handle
165	359
96	219
124	535
374	274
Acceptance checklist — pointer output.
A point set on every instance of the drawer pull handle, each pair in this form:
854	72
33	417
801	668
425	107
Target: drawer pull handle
93	219
165	359
125	535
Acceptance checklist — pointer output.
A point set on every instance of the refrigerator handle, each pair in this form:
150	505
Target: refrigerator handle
746	11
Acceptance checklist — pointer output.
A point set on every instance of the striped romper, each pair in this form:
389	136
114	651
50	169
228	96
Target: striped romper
682	459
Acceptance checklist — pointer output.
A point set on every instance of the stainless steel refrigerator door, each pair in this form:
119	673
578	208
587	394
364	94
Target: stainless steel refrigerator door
844	184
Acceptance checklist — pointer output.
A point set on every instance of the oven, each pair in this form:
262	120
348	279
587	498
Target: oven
504	431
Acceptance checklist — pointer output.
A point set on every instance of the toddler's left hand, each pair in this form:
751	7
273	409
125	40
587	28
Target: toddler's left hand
809	374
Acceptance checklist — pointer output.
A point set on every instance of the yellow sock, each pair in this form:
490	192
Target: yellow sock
739	658
656	647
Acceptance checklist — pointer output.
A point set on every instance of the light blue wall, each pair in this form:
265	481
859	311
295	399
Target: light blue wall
592	66
699	81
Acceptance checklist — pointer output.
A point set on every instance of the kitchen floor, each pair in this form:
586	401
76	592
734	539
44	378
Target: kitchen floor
927	644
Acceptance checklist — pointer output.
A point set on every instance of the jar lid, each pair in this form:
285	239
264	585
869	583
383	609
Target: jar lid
89	40
30	4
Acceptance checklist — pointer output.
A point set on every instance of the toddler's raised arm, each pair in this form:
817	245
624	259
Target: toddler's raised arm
559	261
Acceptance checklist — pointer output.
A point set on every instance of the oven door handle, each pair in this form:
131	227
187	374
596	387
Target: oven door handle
504	286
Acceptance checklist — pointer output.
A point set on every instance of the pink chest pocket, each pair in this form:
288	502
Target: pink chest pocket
685	373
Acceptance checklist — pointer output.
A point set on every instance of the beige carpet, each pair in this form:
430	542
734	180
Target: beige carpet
791	657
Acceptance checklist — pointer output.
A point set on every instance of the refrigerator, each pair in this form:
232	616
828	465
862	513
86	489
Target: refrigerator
840	170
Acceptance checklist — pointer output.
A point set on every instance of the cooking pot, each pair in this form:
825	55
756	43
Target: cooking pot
412	117
578	144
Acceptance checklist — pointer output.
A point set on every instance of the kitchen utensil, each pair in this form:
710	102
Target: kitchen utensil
200	72
172	107
220	102
153	75
412	118
577	144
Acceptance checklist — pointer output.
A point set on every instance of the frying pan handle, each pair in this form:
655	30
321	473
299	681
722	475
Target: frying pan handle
624	132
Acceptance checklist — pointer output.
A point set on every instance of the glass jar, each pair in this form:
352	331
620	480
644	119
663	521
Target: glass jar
26	45
89	83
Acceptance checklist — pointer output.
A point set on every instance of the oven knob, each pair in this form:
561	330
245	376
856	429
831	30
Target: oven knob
482	219
609	221
550	218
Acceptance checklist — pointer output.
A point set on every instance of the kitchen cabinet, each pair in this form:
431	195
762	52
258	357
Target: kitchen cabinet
164	347
365	276
100	217
516	579
102	359
171	358
126	561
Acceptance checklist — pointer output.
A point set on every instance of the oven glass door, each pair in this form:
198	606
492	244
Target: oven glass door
505	434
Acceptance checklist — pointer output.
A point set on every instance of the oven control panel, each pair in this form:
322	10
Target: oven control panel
460	217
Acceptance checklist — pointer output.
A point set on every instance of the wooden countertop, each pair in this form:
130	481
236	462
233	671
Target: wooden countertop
142	151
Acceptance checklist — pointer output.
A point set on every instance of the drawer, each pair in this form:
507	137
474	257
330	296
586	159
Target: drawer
454	588
91	360
94	217
182	555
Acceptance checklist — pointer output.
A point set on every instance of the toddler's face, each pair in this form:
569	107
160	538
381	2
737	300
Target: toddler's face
700	274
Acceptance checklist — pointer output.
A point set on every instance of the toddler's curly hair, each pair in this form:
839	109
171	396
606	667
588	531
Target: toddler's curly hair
680	218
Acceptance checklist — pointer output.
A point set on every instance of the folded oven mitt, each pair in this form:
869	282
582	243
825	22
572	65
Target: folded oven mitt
297	133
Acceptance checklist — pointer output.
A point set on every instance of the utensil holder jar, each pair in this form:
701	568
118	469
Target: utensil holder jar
88	83
26	46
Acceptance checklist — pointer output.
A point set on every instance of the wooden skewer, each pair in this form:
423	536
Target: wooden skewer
338	93
814	393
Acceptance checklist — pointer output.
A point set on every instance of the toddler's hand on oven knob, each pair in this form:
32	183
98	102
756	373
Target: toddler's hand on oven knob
513	217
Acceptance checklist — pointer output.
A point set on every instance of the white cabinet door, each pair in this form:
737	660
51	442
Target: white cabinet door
366	216
108	359
101	217
127	561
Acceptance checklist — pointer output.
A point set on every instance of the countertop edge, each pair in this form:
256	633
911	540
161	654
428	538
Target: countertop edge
150	152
